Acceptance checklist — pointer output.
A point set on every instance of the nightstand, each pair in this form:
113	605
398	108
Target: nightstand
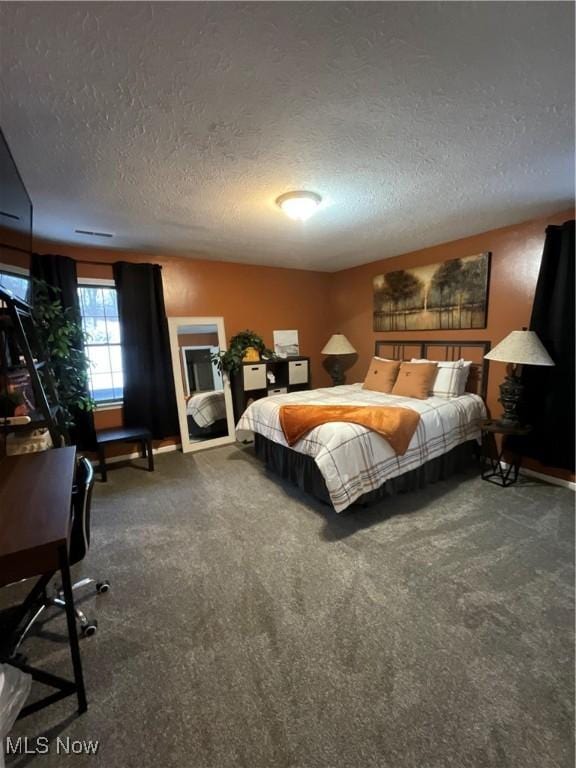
492	457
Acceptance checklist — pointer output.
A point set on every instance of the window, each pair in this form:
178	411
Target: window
15	282
99	311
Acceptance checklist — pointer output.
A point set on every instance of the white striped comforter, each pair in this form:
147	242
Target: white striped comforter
207	407
354	460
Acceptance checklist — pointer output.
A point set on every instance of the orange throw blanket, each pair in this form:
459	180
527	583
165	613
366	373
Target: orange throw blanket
397	425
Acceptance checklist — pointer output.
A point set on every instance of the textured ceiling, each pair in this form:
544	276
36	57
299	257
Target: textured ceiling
176	125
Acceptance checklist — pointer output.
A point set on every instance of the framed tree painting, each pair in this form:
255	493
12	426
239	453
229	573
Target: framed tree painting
452	295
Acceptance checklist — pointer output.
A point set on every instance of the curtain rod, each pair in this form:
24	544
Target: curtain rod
111	263
95	263
78	261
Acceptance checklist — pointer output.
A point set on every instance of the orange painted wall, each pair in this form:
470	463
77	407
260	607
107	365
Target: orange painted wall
194	340
14	258
197	340
516	256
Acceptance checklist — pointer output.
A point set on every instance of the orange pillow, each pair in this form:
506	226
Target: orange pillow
415	380
381	375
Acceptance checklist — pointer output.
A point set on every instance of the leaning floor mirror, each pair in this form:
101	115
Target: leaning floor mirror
202	392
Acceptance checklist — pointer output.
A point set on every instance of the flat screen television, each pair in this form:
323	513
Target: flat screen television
15	204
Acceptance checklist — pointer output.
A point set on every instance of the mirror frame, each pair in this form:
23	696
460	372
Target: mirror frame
212	442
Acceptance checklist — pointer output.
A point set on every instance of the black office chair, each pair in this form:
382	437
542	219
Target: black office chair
79	546
80	538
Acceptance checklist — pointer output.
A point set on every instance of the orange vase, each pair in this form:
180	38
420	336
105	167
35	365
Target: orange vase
251	355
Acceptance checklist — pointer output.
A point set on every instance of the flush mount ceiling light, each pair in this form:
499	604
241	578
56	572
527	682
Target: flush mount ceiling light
299	205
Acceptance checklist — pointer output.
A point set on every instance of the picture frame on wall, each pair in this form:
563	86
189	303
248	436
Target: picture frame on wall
450	295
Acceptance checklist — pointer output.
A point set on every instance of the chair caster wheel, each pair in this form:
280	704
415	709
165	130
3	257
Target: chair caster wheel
102	586
89	629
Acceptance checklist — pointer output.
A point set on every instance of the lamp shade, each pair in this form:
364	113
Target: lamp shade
338	344
522	348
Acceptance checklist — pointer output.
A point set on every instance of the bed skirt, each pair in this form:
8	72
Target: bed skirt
302	471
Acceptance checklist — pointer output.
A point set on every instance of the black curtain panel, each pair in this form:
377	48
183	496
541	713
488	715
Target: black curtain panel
59	272
149	395
550	391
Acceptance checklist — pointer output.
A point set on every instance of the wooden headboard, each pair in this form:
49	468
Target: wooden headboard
443	350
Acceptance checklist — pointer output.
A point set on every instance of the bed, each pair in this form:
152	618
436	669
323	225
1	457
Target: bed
206	414
344	463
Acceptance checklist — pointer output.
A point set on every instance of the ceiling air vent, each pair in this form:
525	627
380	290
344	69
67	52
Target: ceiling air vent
93	234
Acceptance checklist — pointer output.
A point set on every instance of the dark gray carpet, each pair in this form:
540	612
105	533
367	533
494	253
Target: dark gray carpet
250	627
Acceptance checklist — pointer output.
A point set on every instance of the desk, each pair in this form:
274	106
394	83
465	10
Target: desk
35	523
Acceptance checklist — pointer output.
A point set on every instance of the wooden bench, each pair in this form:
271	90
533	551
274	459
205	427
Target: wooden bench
123	435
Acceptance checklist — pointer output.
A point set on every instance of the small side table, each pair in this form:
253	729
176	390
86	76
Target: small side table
491	457
122	435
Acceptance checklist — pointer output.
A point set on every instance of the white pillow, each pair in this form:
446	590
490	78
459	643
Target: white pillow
464	373
450	380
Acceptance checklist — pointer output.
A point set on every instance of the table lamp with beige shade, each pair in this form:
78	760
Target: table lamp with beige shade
337	347
518	348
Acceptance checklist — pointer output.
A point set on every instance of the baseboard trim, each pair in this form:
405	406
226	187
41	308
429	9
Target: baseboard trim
545	478
549	478
137	455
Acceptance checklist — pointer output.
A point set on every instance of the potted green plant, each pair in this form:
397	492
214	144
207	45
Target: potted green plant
63	338
231	360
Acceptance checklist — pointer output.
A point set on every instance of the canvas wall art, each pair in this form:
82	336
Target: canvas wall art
286	343
452	295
